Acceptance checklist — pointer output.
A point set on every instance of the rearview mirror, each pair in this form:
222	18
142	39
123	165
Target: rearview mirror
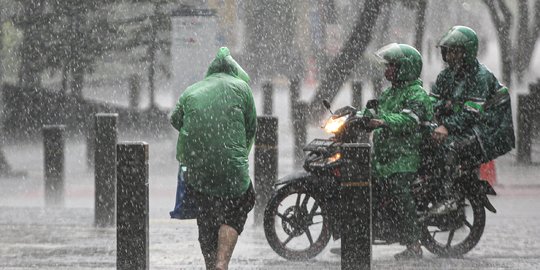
326	104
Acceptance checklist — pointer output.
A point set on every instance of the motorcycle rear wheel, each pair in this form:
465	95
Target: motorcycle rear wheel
296	225
461	238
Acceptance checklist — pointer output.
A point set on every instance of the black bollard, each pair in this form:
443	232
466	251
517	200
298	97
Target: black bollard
357	94
132	206
356	216
53	144
268	91
266	163
300	130
524	132
105	169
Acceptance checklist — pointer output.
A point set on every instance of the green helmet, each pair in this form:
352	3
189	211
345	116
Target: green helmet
461	36
405	56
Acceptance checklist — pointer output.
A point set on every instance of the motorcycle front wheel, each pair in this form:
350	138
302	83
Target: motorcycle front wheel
456	233
296	225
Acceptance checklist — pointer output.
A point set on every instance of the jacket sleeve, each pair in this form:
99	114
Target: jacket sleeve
250	118
177	115
437	100
417	109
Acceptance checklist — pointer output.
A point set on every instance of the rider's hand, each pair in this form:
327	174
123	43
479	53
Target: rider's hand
440	133
375	123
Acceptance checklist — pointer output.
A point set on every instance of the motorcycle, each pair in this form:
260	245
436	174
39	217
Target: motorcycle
303	213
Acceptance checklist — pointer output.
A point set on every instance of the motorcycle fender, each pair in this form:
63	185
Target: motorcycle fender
487	204
482	189
488	189
296	177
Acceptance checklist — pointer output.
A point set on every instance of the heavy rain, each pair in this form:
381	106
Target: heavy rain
89	127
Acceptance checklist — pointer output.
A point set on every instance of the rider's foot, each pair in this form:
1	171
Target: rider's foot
412	252
336	251
443	208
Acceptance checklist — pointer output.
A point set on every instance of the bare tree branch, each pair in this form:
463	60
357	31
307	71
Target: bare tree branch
507	14
536	24
342	65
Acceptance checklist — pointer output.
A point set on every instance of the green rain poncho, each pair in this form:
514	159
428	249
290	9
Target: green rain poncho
216	120
397	146
403	108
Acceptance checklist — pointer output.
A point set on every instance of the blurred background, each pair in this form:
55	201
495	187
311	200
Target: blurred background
142	54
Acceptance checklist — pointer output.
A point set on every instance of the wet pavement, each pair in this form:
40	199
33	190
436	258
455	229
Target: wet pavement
34	237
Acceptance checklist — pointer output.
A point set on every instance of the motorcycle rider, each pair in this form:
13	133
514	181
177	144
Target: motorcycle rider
401	110
473	113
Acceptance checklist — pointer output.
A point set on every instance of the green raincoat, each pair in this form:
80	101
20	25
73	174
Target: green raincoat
474	104
397	146
216	120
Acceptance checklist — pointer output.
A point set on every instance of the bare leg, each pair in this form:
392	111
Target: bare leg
226	242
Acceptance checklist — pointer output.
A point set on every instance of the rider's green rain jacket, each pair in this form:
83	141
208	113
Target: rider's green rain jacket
397	145
474	103
216	120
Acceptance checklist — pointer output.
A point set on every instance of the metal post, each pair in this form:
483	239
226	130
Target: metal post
300	130
53	144
524	125
356	215
268	91
132	206
105	169
357	94
266	162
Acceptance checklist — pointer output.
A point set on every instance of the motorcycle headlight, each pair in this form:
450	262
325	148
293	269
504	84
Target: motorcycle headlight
333	125
333	158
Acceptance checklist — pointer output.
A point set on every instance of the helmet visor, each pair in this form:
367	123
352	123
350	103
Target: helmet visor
453	38
389	53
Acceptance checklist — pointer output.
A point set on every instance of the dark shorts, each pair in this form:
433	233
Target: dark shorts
217	211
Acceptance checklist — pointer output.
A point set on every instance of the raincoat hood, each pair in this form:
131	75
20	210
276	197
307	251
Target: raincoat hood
224	63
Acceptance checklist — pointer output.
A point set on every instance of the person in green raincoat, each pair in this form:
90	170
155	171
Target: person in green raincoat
402	109
216	120
473	113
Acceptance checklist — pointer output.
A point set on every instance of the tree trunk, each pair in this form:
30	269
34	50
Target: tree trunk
65	78
502	26
77	65
152	48
1	49
342	65
523	36
527	37
77	81
30	69
420	24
